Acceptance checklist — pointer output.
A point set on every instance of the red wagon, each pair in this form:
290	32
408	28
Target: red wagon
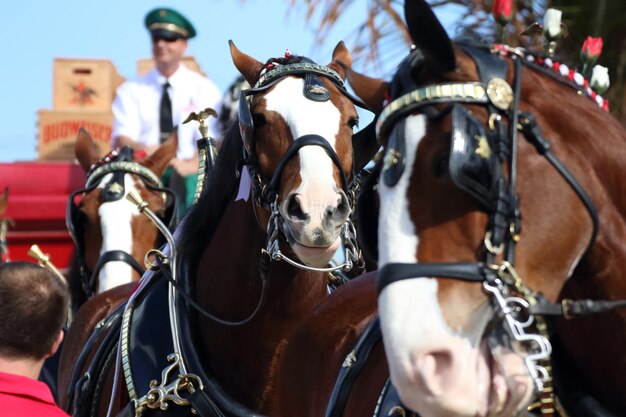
38	193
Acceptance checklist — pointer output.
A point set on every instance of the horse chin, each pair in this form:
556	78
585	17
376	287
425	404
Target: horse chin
316	257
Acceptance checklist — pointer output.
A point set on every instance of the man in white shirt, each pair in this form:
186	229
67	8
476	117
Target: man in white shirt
147	110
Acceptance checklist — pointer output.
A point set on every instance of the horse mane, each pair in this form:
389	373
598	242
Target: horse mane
199	224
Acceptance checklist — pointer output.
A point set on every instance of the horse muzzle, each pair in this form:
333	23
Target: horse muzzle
441	369
312	227
460	380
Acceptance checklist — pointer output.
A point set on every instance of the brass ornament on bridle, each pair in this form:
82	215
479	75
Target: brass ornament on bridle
500	93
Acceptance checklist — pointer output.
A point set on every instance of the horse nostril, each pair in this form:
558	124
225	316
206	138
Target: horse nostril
294	209
340	212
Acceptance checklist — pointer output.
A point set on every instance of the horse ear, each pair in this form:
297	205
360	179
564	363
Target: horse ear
249	67
341	59
371	90
429	35
85	150
158	161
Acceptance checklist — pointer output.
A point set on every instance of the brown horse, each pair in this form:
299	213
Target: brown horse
110	235
254	250
477	137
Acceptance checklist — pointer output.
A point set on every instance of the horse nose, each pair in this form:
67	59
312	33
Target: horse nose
436	369
295	209
332	214
336	215
439	376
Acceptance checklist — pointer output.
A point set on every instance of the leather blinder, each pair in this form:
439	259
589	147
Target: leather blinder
246	125
471	156
394	159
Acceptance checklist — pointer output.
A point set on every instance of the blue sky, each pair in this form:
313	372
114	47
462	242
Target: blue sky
35	32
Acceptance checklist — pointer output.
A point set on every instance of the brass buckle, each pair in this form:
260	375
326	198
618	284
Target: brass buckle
566	305
494	250
161	394
153	266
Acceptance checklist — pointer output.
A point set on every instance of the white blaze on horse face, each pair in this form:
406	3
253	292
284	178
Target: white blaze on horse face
305	117
438	371
115	222
397	237
318	190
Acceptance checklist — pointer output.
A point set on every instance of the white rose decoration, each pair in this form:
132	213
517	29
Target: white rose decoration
552	23
600	79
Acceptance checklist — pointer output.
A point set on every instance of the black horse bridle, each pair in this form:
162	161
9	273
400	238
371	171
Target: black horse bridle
265	189
314	89
479	170
118	163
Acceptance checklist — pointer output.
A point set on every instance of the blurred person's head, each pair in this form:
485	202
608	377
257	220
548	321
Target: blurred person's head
169	31
33	309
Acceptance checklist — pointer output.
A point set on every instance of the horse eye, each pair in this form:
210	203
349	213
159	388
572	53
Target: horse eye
353	122
440	167
258	119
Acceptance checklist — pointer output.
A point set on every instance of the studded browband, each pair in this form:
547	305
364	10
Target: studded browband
497	92
283	70
124	166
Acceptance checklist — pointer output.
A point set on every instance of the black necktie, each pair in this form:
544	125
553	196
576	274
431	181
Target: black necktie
165	114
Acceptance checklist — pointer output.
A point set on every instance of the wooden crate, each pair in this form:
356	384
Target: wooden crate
145	65
58	130
84	84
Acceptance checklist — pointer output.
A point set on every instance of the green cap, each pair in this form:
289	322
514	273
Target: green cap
168	23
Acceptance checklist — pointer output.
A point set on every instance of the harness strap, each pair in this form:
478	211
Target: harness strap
351	369
489	65
204	405
201	403
188	297
531	130
365	145
478	272
299	143
473	92
122	166
112	256
393	272
302	68
85	393
112	321
570	308
207	157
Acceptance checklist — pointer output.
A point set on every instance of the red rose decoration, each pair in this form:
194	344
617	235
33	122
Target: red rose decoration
591	50
503	11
